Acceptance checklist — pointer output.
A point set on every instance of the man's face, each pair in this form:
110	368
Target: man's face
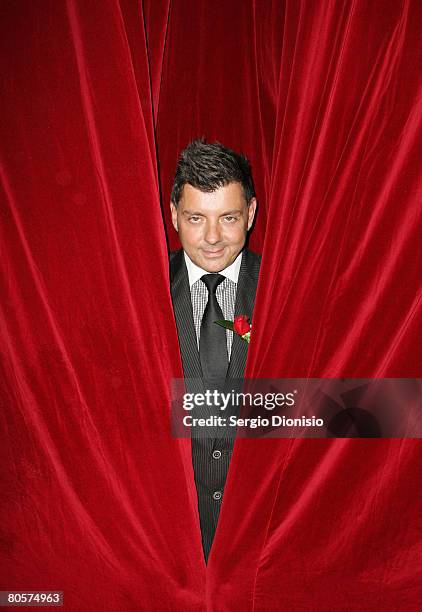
212	226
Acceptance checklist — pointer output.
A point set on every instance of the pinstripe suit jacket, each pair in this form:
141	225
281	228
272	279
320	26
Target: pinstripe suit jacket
212	453
245	299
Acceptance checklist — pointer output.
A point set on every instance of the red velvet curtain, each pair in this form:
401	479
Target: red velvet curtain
97	498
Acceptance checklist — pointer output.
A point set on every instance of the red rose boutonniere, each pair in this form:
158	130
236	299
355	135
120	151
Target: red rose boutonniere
239	326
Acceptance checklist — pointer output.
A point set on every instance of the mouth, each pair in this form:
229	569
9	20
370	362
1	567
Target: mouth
214	254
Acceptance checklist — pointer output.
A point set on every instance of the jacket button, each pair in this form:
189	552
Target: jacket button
216	454
217	495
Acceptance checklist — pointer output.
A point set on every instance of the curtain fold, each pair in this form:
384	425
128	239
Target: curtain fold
156	19
95	499
339	295
98	499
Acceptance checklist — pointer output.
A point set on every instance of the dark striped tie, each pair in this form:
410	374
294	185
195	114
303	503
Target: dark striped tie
212	340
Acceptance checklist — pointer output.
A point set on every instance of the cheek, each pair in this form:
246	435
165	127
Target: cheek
190	233
236	233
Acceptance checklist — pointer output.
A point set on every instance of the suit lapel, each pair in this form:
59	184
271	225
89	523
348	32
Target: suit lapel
245	298
182	304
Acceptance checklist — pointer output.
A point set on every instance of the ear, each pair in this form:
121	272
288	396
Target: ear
251	212
173	210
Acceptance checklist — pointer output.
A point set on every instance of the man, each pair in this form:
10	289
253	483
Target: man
213	277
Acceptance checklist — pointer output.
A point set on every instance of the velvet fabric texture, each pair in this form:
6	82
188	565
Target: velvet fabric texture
97	499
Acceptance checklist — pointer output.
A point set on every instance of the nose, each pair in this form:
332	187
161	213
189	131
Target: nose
212	233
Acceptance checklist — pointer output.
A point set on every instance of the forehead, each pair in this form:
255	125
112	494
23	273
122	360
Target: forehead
230	197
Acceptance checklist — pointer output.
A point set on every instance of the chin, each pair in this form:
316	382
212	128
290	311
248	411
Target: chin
215	267
213	264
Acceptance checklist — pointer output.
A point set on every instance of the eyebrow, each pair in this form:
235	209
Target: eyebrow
200	214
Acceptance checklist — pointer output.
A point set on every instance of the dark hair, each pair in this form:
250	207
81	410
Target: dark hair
208	167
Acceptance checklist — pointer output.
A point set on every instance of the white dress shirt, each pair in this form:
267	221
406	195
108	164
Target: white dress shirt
225	294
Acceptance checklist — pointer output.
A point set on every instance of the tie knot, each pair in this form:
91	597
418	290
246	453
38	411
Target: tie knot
211	281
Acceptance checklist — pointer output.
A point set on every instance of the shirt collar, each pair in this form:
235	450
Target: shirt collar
195	272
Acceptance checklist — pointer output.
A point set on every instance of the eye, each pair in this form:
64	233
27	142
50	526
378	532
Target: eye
230	219
194	219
